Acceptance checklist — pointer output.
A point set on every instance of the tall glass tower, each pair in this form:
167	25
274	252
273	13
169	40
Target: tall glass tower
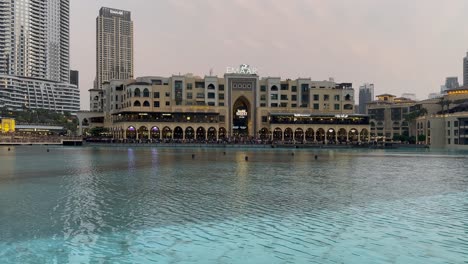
114	46
35	39
35	55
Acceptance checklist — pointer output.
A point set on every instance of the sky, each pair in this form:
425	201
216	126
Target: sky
400	46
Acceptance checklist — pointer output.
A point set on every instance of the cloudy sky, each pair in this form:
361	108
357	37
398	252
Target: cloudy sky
399	45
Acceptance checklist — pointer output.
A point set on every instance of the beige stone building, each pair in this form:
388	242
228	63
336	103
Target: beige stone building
238	106
448	127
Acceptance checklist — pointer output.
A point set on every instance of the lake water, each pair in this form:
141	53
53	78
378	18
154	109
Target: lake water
160	205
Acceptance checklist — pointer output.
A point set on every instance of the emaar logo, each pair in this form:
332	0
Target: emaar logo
242	69
116	12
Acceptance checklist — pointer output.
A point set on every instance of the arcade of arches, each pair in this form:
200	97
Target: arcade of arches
295	134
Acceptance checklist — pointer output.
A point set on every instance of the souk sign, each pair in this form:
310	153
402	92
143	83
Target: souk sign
242	69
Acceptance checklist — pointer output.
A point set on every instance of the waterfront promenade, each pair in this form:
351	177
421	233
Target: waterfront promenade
43	140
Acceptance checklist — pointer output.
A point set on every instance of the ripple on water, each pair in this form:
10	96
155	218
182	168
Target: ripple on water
151	205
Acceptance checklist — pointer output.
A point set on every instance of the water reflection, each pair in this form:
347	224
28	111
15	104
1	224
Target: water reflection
147	204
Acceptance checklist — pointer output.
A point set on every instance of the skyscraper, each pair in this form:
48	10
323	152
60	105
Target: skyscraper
114	46
465	70
366	95
34	55
35	40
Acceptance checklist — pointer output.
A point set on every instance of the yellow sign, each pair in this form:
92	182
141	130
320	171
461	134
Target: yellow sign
7	125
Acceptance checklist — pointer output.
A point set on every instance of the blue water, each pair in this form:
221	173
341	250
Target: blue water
158	205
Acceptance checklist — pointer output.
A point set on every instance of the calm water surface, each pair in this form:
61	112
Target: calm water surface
158	205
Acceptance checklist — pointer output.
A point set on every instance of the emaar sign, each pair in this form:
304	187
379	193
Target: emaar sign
242	69
116	12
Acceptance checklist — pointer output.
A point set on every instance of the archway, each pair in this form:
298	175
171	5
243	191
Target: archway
222	133
299	135
241	117
155	133
143	132
331	135
189	133
212	134
309	135
178	133
364	135
264	134
131	132
167	133
353	135
278	134
342	135
288	134
320	135
201	134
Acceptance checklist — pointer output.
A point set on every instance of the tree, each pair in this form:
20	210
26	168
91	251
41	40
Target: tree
421	138
98	131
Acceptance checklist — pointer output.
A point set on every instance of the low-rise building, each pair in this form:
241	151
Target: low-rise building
238	106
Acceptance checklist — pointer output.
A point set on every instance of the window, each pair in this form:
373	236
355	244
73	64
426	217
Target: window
137	104
262	105
449	141
274	105
294	97
293	88
337	97
274	97
222	118
455	141
221	104
284	87
274	88
337	106
211	86
211	95
455	132
455	123
146	93
156	95
156	103
146	104
264	119
189	95
448	123
200	95
262	97
168	94
284	105
448	132
293	105
211	103
221	96
316	97
316	106
168	103
221	87
263	88
284	97
199	84
326	97
189	86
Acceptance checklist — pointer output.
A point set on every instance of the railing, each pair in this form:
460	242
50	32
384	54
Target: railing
36	140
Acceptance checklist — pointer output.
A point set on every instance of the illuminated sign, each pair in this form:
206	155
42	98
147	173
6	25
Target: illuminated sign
341	116
241	113
116	12
242	69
